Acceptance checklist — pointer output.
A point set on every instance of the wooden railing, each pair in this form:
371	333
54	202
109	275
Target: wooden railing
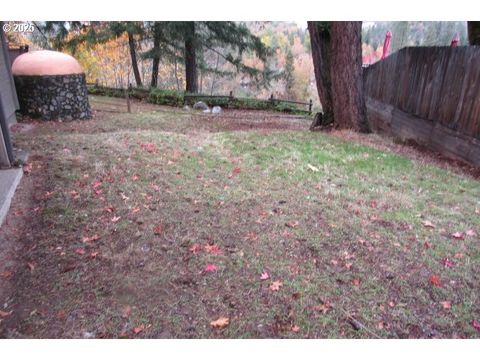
230	99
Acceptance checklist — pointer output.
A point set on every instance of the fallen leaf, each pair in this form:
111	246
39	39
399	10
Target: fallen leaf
447	305
427	244
6	274
149	147
109	209
380	325
87	239
127	310
157	230
5	313
236	171
447	263
291	224
31	266
276	285
135	177
391	304
115	219
295	328
460	235
435	281
139	329
210	268
212	249
313	168
220	323
323	308
61	315
27	169
470	233
195	248
476	324
93	255
429	224
356	282
264	276
80	251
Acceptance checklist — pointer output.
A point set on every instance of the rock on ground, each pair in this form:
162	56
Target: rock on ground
200	105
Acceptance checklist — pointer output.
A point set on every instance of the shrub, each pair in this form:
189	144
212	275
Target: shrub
166	97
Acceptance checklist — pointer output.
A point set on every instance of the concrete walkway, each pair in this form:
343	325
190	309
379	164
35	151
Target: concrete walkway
9	179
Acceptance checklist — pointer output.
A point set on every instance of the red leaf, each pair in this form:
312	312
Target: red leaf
447	305
291	224
210	268
149	147
157	230
264	276
6	274
471	233
195	248
87	239
447	263
460	235
139	329
236	171
212	249
80	251
476	324
435	281
96	185
93	255
429	224
276	285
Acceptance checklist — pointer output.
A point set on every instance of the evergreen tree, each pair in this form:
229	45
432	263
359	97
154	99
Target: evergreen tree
289	74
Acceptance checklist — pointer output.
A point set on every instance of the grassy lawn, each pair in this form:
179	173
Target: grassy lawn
131	212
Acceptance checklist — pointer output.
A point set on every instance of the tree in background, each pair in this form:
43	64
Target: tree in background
289	74
337	59
321	53
133	29
474	32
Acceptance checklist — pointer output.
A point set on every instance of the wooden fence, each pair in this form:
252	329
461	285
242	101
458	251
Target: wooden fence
430	95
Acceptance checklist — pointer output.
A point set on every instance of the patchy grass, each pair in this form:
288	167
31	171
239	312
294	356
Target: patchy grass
338	223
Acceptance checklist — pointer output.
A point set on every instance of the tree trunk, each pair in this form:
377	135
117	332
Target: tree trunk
176	70
346	73
156	55
191	75
133	56
321	50
474	32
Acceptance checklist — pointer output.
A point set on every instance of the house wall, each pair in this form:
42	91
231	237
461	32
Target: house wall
8	104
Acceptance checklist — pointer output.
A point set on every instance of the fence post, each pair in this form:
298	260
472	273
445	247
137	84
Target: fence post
127	95
310	104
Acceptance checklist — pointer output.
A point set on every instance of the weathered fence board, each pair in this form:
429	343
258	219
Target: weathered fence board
429	94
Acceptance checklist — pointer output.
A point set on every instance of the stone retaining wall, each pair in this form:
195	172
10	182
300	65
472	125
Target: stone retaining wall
52	97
